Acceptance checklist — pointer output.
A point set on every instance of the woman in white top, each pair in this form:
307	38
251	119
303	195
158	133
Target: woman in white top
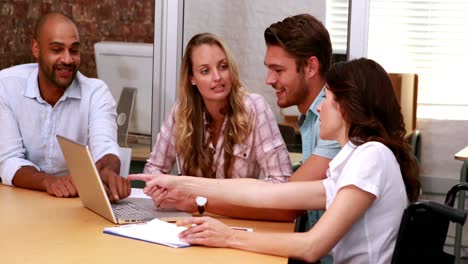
368	185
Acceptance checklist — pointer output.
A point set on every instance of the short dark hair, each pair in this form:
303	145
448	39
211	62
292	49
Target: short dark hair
302	36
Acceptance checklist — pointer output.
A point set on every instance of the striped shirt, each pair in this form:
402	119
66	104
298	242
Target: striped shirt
262	155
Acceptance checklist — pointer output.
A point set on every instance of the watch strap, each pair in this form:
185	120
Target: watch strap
201	209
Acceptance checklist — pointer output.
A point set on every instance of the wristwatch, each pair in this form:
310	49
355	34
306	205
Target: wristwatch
201	202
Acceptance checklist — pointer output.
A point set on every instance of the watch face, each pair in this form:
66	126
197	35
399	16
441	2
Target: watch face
200	200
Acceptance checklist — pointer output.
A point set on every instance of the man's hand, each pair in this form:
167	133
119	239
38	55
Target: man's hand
117	187
60	186
29	177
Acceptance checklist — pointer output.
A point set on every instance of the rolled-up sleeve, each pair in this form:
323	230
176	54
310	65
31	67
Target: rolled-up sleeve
272	154
12	152
102	123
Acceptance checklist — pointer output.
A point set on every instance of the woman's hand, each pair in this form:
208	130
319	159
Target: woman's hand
163	181
162	198
163	191
206	231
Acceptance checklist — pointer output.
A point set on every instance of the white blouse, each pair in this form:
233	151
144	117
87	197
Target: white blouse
373	168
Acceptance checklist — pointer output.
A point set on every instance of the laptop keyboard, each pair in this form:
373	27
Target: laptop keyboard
128	210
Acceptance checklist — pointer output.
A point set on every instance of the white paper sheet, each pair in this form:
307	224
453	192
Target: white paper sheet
154	231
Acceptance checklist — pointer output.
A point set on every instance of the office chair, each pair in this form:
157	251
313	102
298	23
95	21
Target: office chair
450	200
124	113
423	230
300	225
416	144
414	139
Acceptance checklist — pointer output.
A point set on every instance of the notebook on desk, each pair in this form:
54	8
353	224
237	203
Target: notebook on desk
91	190
154	231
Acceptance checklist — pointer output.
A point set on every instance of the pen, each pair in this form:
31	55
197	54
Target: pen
178	165
248	229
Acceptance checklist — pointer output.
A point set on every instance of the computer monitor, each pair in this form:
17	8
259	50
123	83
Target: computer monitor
126	64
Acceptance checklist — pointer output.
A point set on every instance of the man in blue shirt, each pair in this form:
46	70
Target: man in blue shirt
298	56
39	101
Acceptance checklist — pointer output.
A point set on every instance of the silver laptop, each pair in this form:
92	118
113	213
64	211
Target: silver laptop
93	195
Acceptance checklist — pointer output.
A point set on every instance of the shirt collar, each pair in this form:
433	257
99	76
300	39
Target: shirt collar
313	107
32	88
342	156
317	101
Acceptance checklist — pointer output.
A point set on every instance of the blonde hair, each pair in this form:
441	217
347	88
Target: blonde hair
191	143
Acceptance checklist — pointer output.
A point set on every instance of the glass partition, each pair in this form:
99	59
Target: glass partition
241	25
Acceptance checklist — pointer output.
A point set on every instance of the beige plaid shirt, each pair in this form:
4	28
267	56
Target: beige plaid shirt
262	155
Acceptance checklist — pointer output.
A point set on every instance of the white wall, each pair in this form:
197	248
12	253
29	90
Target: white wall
241	24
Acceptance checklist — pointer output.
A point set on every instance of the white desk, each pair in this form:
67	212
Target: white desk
462	154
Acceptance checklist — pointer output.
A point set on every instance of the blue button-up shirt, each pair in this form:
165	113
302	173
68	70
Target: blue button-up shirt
85	113
309	125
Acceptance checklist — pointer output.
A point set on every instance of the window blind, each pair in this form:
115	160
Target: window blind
336	21
426	37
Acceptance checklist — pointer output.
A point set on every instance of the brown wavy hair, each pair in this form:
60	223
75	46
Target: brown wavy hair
191	142
368	104
302	36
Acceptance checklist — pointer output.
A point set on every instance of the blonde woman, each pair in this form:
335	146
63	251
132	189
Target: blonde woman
216	129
